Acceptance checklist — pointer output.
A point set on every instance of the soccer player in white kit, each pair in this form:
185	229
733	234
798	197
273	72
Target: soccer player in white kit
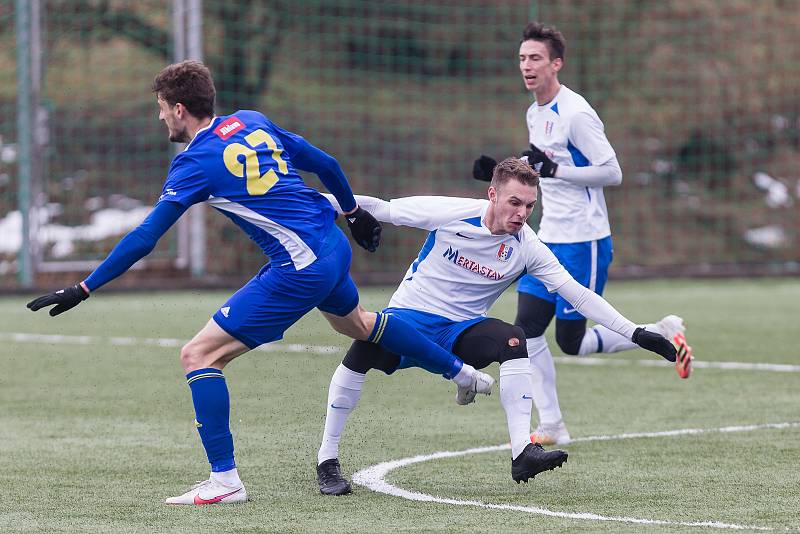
575	161
476	248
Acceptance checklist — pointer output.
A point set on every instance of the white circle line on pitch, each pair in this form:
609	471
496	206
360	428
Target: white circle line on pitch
374	478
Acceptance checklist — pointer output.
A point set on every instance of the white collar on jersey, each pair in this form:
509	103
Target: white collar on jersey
210	124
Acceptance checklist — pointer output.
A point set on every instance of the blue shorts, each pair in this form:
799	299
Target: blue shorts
587	262
442	331
262	310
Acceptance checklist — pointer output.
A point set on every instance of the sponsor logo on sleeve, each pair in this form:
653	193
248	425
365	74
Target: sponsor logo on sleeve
228	127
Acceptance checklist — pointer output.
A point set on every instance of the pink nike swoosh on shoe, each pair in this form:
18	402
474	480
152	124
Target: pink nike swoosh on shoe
199	500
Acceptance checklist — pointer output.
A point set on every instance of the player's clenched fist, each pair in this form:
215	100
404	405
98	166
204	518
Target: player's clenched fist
365	228
65	299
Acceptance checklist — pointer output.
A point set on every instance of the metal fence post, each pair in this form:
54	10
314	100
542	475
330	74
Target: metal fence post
197	221
25	126
187	25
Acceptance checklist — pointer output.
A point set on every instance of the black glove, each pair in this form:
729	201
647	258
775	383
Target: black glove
483	168
655	343
536	156
66	299
365	228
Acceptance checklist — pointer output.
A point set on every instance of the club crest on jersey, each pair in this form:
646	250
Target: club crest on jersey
504	252
228	127
548	128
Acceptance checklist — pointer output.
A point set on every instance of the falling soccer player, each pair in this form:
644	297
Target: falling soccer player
476	248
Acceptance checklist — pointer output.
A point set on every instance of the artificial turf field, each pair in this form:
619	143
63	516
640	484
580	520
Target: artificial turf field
95	432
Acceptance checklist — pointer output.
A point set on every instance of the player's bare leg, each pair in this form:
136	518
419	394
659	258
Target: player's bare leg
211	347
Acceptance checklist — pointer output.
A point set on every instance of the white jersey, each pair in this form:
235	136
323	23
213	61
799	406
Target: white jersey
569	131
462	267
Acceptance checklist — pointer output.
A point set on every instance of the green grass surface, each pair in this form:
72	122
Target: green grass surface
95	436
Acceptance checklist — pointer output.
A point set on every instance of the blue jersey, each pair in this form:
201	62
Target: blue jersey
241	164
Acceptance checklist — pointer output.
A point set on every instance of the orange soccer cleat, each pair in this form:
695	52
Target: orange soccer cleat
683	362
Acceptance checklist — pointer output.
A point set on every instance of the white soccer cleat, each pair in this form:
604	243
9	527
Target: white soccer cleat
211	492
555	434
481	383
671	327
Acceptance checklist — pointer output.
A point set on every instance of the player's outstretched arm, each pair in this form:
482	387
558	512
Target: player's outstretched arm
133	247
377	207
423	212
591	305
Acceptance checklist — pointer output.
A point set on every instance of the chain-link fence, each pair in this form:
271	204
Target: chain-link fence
698	98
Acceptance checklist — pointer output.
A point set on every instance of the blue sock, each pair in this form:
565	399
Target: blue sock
399	337
212	408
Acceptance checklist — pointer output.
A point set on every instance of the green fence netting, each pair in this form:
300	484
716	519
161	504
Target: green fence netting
699	99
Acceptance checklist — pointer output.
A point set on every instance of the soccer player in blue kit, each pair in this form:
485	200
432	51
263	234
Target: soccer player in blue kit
575	160
245	167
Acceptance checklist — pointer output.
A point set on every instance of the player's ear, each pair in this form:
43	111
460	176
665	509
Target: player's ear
557	64
492	192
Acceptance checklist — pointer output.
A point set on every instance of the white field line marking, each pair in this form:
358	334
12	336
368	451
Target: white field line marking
742	366
374	478
19	337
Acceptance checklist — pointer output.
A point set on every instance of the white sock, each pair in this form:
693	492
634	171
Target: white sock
464	376
516	396
343	395
601	339
229	478
545	395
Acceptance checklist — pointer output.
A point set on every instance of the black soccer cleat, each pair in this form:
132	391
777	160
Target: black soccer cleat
330	479
533	460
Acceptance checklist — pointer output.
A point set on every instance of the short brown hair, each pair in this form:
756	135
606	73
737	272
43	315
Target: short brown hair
514	168
190	83
536	31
